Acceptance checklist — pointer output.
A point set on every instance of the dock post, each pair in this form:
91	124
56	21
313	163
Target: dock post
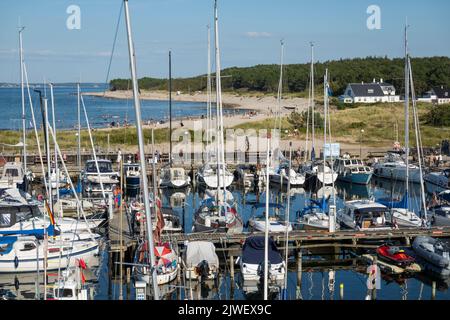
374	281
232	268
128	275
341	291
433	290
110	206
332	219
299	273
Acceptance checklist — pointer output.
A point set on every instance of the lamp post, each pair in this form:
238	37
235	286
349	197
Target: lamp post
360	143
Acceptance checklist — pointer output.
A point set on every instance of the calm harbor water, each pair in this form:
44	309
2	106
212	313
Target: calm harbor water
101	111
316	283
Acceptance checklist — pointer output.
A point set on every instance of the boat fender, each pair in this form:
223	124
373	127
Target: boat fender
16	283
16	262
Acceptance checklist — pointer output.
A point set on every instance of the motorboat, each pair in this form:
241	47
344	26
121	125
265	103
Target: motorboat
434	253
13	176
132	174
214	176
437	181
166	266
439	210
277	223
94	180
171	219
201	260
394	167
252	260
364	215
174	178
352	170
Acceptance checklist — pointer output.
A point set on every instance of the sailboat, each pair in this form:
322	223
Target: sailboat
401	214
172	177
282	173
214	173
315	215
316	172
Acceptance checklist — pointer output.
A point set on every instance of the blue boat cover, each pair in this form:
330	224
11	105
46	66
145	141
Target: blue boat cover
253	251
390	203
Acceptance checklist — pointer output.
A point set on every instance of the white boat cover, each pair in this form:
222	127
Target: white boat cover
198	251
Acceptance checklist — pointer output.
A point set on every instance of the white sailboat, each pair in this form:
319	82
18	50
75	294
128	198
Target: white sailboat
401	213
316	172
215	174
172	177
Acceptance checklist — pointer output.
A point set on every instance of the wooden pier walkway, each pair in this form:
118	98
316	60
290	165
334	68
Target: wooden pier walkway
309	238
117	224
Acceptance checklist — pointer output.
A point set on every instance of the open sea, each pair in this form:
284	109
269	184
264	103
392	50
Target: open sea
101	111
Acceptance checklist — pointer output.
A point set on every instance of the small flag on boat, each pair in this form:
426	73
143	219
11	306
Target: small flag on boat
50	213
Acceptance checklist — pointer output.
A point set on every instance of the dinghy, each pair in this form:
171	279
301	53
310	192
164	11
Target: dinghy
434	253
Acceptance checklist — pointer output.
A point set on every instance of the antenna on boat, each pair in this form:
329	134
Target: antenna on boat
140	135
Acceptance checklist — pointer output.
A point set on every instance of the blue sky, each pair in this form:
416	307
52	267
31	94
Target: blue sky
250	31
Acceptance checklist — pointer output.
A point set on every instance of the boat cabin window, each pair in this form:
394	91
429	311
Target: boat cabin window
5	220
11	172
24	214
4	248
354	161
347	162
63	293
103	166
28	246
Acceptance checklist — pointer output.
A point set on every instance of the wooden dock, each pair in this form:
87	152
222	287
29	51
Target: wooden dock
312	238
118	227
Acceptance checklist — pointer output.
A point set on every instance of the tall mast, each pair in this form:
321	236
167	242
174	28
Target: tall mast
170	107
79	128
23	102
140	135
266	227
325	108
406	117
208	93
220	145
280	89
52	100
313	142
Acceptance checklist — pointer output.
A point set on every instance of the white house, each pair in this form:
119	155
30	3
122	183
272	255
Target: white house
438	95
369	93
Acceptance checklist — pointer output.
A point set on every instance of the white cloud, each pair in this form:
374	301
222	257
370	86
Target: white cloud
255	34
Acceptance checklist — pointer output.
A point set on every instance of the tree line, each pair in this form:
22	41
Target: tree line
427	72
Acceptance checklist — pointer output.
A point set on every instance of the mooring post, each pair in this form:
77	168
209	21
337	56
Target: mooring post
341	291
299	272
232	268
128	275
110	206
374	280
433	290
332	219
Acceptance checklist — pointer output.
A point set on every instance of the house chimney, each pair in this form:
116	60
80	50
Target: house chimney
373	80
381	80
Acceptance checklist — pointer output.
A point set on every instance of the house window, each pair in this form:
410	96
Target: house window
369	90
